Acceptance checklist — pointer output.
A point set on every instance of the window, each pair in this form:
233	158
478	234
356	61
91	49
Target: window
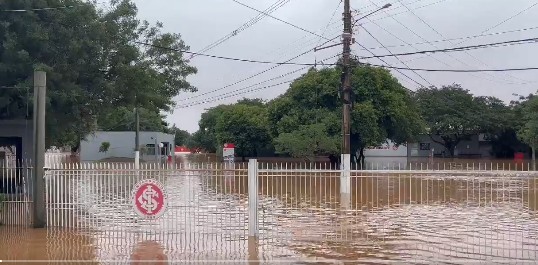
150	149
425	146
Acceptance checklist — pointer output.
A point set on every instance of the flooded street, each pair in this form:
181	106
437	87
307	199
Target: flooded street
411	219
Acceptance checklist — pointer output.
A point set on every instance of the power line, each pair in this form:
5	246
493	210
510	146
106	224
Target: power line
247	78
223	57
380	43
235	92
37	9
456	70
463	48
397	70
510	18
480	46
451	39
283	21
232	95
442	36
278	4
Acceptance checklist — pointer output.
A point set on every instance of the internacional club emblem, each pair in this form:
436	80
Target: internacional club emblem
149	198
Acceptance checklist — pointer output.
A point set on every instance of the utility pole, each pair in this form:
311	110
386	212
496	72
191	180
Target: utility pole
346	86
345	181
40	88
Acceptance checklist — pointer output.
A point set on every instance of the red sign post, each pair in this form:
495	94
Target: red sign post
149	199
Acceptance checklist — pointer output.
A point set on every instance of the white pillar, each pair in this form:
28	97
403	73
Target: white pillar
253	229
345	181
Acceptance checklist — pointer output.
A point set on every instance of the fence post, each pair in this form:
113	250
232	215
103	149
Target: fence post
40	86
253	198
345	181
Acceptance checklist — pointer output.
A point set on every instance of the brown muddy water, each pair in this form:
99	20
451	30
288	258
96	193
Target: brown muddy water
404	219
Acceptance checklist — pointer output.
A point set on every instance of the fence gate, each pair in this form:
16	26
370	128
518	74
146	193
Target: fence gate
206	205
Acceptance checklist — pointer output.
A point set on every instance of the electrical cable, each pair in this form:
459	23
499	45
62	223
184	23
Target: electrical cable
235	92
244	79
278	4
463	48
442	36
408	77
455	70
287	62
380	43
283	21
38	9
231	95
510	18
451	39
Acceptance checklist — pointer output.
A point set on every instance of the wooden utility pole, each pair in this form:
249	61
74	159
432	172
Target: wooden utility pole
345	181
346	86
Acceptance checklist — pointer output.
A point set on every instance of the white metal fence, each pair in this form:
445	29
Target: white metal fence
16	188
404	212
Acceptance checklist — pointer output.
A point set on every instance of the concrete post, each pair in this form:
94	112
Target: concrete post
345	182
40	88
253	229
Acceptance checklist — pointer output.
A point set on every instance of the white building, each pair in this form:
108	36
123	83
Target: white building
154	146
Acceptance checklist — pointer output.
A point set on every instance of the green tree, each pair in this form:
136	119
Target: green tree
528	132
382	109
94	63
123	119
182	137
244	125
453	114
206	138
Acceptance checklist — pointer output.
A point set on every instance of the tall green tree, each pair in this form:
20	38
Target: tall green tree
244	125
453	114
382	109
94	60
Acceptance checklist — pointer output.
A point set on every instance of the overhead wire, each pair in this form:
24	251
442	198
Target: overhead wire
397	70
249	89
274	67
442	36
451	39
398	58
38	9
509	18
462	48
275	6
287	62
278	19
455	70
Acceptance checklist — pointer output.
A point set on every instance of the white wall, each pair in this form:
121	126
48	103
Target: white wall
387	149
122	144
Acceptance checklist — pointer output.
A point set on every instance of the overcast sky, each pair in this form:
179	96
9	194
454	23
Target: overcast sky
203	22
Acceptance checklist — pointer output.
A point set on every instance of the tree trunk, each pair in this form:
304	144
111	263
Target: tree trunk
361	158
533	158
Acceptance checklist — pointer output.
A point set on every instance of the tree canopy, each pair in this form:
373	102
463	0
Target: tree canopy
94	60
305	121
453	114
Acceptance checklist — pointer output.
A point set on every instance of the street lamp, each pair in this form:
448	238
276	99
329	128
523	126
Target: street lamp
373	12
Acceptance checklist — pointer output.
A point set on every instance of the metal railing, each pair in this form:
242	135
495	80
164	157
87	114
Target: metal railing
402	212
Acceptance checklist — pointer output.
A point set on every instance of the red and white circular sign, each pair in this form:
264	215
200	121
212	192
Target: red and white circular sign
149	198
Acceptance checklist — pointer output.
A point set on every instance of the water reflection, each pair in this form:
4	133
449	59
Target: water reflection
50	246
